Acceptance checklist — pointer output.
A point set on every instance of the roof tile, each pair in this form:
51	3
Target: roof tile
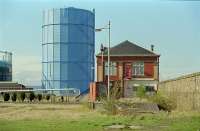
128	48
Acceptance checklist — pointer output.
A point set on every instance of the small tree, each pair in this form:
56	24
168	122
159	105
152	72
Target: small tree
14	97
31	96
39	96
22	96
48	97
6	97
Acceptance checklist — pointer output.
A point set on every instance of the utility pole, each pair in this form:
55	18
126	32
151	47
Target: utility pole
100	29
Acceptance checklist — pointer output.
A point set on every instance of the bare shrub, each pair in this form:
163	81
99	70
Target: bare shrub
110	106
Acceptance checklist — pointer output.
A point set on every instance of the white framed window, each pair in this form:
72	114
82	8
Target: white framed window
138	68
113	68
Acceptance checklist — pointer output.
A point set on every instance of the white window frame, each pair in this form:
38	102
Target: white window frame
113	68
138	68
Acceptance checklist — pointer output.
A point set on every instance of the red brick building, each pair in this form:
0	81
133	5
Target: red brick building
131	64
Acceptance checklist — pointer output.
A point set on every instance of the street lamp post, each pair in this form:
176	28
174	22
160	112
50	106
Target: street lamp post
109	61
100	29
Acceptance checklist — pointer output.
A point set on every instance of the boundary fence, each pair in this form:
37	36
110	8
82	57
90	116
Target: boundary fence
185	90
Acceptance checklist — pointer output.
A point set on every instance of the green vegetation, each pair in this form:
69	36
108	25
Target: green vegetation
61	117
26	97
98	123
62	99
39	97
6	96
31	96
48	97
164	103
14	97
141	91
22	96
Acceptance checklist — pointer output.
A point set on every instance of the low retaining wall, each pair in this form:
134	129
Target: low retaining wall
184	90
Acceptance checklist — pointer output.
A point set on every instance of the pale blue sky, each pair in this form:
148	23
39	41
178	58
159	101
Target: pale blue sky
172	26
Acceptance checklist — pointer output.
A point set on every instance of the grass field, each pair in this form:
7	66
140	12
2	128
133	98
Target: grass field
62	117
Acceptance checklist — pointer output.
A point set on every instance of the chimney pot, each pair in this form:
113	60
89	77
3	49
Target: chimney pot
152	48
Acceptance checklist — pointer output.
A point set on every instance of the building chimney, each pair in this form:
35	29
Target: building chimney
102	48
152	48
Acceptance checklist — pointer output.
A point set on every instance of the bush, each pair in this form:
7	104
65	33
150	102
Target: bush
22	96
39	96
14	97
62	98
6	97
31	96
141	91
164	103
48	97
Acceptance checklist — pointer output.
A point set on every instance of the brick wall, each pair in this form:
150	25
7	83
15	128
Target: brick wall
151	66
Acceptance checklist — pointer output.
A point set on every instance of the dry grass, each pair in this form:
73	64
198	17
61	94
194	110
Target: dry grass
42	111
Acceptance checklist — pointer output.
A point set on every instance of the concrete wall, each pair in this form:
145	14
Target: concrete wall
184	90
